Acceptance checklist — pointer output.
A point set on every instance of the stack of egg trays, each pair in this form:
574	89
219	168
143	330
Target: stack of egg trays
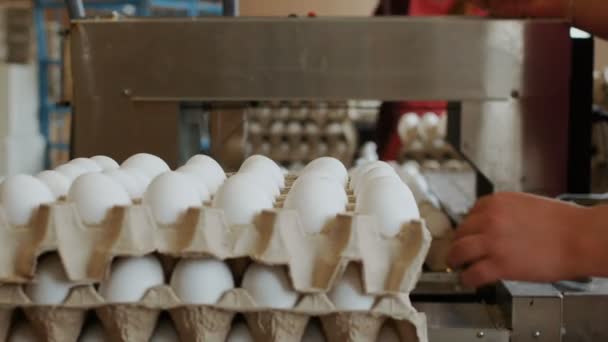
391	268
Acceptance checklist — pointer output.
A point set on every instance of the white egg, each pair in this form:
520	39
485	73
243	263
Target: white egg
313	332
214	174
320	149
294	128
201	175
128	180
239	333
93	332
170	195
348	293
281	113
334	129
269	286
454	165
255	129
85	163
277	128
21	196
130	278
241	199
56	182
388	334
71	171
317	201
416	182
105	163
408	127
332	167
310	177
142	178
302	152
429	126
390	201
201	281
22	331
311	131
165	332
149	164
411	167
263	181
363	169
369	151
50	285
372	174
431	165
196	181
264	165
301	114
95	194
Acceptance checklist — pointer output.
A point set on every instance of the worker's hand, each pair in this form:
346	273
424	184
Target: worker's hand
514	236
525	8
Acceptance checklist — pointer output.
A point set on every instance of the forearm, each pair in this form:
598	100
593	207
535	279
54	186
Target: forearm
590	242
589	15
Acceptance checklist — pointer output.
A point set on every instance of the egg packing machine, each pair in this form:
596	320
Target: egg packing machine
509	81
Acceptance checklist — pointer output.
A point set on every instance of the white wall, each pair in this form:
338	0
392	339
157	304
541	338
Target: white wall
21	145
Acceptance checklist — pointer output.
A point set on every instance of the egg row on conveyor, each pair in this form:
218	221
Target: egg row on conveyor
97	187
288	154
295	132
294	141
318	197
209	309
423	138
426	129
320	113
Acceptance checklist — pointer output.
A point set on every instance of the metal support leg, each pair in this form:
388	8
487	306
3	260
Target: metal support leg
231	8
75	9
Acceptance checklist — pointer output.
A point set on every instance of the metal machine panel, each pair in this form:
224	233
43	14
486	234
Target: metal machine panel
379	58
130	73
520	144
463	322
586	312
534	311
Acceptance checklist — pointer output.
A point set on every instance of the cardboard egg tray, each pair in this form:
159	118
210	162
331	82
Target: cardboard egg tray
390	265
390	269
136	322
442	232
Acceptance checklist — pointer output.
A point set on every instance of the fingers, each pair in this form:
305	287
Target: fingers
467	250
479	274
474	224
486	214
484	203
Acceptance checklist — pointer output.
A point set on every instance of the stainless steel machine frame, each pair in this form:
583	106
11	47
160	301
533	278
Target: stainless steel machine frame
511	76
131	75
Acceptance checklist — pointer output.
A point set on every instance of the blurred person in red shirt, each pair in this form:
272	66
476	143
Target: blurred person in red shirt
387	139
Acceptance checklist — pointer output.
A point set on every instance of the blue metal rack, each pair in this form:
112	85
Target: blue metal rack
42	8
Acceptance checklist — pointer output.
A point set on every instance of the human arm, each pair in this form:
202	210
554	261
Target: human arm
515	236
589	15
